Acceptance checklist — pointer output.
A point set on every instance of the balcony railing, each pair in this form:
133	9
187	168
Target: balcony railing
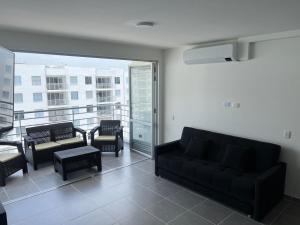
86	117
57	102
104	85
54	87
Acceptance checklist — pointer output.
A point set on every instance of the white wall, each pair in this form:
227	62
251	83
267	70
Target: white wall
268	88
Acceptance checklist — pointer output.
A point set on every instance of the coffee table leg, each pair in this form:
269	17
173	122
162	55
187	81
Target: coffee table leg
99	163
64	172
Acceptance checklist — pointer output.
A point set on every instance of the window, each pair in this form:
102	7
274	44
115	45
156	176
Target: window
57	98
5	94
76	123
39	113
104	96
59	115
18	80
74	95
89	108
8	69
104	110
103	82
36	80
88	80
89	94
117	80
6	81
19	115
56	83
117	93
18	98
73	80
37	97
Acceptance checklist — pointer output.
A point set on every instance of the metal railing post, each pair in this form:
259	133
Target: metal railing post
20	126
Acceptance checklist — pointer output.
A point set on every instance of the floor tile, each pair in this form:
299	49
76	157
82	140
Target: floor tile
284	219
185	198
189	218
141	218
212	211
165	210
238	219
145	197
276	211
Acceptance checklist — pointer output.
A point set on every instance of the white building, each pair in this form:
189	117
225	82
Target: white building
46	92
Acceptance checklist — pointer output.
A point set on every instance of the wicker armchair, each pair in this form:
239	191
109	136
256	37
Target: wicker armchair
110	136
11	162
42	141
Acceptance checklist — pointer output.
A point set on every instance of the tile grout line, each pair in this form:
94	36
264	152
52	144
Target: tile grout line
69	183
280	213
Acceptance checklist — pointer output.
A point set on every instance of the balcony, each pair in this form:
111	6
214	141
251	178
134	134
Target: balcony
57	102
55	87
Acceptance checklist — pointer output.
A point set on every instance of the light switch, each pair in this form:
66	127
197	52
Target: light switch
287	134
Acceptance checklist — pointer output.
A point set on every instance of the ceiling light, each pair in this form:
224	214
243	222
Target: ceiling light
145	24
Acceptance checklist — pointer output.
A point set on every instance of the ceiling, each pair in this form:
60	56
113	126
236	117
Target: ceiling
179	22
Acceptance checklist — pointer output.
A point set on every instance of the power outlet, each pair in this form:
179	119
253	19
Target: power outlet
287	134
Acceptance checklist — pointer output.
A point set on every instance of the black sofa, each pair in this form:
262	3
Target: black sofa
242	173
42	141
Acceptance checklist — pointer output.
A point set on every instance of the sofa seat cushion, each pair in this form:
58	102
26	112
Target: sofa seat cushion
105	138
171	161
4	157
70	141
46	146
243	187
222	179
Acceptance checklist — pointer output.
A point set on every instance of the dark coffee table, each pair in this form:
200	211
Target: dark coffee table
76	159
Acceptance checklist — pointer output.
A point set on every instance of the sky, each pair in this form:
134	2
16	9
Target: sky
46	59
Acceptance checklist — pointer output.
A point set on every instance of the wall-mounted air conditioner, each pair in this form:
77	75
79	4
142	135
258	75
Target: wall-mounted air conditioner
211	54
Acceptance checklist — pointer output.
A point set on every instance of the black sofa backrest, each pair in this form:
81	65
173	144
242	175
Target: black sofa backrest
266	154
62	131
40	134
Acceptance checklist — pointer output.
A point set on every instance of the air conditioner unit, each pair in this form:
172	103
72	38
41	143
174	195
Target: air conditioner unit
211	54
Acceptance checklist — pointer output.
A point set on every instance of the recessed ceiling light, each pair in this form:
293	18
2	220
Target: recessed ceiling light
145	24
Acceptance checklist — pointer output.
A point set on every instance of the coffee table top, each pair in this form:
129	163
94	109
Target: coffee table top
73	152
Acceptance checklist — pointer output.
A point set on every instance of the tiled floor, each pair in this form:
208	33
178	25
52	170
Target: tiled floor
18	186
133	195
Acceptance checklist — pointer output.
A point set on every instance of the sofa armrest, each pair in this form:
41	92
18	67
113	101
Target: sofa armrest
163	148
79	130
28	141
167	147
94	130
269	190
14	143
3	218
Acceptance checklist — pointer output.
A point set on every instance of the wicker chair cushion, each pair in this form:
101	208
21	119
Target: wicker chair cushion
45	146
70	141
4	157
105	138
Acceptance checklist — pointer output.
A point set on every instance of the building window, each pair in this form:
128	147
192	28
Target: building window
5	94
89	108
89	94
88	80
56	83
39	113
104	110
8	69
103	82
73	80
19	115
37	97
74	95
18	80
117	80
18	98
36	80
76	123
57	98
117	93
104	96
7	81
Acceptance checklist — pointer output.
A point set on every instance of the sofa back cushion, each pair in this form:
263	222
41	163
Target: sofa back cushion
238	158
197	148
265	154
62	131
40	134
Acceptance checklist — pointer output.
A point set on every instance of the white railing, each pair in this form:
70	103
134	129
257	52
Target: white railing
86	117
